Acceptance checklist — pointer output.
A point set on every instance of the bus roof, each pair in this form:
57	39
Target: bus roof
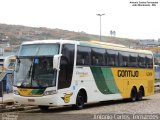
114	47
50	41
90	44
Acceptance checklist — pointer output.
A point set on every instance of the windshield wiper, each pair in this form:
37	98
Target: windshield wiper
30	70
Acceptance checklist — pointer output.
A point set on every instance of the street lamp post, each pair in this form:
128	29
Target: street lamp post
100	15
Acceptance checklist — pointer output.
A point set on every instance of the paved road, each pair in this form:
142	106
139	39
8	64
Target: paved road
102	110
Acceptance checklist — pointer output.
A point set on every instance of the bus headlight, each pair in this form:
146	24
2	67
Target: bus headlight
51	92
15	92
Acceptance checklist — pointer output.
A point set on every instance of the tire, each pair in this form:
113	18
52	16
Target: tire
79	101
43	108
133	95
140	96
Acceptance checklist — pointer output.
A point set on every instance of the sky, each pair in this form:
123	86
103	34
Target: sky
136	22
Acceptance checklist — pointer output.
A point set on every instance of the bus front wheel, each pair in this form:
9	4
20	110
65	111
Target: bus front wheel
79	101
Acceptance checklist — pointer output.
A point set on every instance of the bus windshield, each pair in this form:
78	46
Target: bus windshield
34	66
39	50
35	72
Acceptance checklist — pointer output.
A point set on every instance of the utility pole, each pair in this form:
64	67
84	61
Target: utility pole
100	15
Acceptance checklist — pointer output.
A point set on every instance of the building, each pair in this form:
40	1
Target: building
149	43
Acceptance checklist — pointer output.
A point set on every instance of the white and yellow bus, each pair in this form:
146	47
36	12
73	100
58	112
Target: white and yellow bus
65	72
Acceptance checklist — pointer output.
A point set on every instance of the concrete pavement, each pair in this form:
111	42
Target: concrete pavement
7	98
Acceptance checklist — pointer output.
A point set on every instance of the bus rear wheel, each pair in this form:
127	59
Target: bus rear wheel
79	101
139	97
141	93
133	95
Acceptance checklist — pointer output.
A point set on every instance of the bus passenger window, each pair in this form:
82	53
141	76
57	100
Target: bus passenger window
133	60
98	56
149	61
111	58
141	61
123	59
83	55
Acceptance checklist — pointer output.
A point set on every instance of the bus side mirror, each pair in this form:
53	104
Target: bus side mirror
56	61
17	64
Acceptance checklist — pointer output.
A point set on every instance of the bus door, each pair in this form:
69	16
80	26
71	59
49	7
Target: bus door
66	66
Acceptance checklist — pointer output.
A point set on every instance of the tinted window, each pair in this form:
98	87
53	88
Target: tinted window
123	59
112	58
133	60
149	61
98	56
141	60
83	55
66	66
68	53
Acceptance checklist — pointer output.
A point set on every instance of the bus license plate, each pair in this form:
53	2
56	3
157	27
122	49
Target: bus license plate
31	100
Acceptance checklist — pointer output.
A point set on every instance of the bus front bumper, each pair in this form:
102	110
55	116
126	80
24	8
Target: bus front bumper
50	100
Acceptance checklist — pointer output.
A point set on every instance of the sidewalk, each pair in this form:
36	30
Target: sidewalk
7	98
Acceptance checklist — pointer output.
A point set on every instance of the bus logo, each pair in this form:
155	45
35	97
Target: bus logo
66	97
82	74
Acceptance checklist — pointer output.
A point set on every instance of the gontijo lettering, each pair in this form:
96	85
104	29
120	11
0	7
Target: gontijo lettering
128	73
